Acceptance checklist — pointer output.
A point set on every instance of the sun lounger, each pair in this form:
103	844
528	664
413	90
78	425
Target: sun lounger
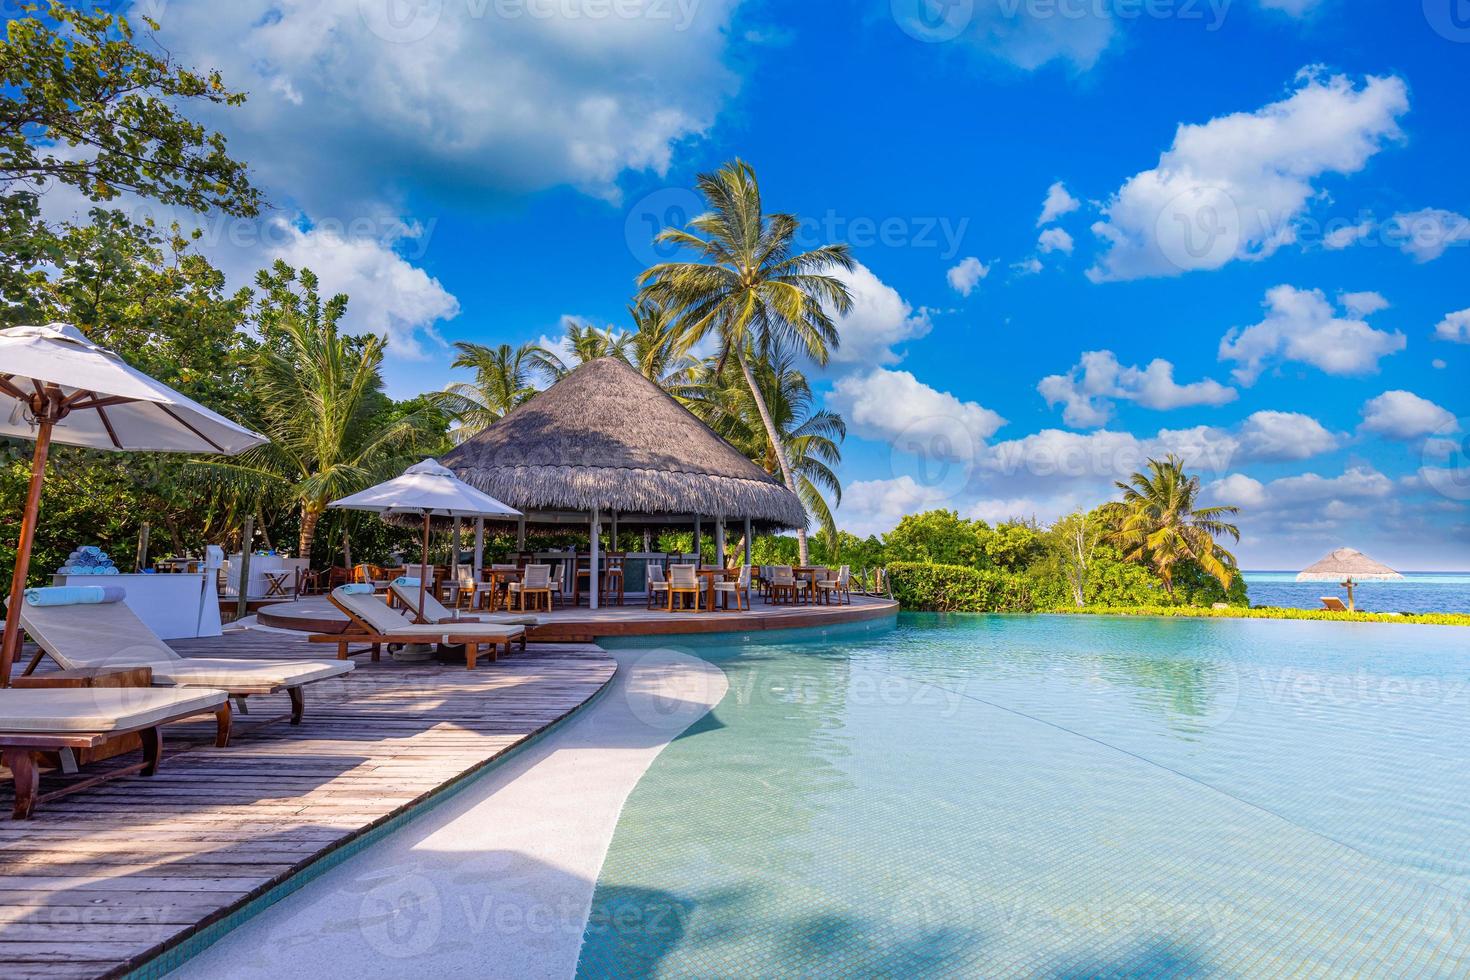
36	721
1332	603
105	634
374	623
406	591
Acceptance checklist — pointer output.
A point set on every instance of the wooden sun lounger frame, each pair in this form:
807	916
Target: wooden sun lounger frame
360	631
18	752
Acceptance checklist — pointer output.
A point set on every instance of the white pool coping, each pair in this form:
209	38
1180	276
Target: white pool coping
497	882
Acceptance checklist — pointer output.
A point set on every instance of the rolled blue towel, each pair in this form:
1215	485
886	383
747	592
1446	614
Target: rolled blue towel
358	588
406	582
109	570
90	549
73	595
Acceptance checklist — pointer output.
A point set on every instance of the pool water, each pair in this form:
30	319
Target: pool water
1057	796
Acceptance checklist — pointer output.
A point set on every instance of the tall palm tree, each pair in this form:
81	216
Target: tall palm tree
503	379
810	440
318	395
749	287
653	347
1158	524
583	343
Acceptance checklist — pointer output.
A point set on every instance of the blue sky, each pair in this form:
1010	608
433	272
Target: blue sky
1254	252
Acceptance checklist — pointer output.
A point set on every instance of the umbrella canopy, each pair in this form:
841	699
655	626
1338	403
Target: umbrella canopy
429	490
101	401
1346	563
56	385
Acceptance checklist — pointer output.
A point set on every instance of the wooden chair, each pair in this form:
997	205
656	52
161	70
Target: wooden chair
1332	603
839	586
612	574
738	587
683	581
656	583
558	584
783	584
535	582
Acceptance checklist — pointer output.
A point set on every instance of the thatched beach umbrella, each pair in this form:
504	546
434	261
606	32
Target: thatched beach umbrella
605	439
58	386
1349	567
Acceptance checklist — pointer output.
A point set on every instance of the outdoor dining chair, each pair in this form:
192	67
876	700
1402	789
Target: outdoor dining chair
656	583
535	582
683	581
738	587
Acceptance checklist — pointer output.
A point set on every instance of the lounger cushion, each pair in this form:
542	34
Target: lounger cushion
204	672
99	709
488	631
94	636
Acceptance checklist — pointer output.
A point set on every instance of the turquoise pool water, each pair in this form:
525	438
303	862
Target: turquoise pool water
1057	796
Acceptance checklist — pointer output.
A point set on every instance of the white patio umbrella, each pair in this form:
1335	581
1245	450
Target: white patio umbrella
1349	567
57	386
430	490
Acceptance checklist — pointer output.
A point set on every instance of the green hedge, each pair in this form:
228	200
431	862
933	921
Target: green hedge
1431	619
957	588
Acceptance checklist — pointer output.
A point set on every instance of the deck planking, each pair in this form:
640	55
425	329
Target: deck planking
103	881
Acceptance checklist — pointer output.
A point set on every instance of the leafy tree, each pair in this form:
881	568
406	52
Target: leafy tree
940	537
1158	524
584	343
503	380
319	399
1012	546
652	347
811	438
83	105
750	288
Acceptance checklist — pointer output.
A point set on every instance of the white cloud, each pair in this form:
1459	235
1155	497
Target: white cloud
886	405
1235	490
1454	327
1088	390
1346	236
1404	415
1438	364
875	506
1363	304
1284	436
878	320
346	95
388	296
1055	240
1427	234
1292	8
1301	325
964	277
1232	188
1058	202
1027	267
1357	483
1010	32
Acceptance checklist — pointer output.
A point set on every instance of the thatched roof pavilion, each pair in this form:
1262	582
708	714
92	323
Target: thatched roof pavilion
606	439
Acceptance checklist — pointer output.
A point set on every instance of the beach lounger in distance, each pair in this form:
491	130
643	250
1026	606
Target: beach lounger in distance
374	623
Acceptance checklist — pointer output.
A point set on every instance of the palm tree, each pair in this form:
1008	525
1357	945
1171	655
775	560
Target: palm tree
318	396
750	288
1157	523
653	347
503	379
811	440
584	343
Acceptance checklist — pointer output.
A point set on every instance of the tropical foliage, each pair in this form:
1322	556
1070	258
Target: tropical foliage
1157	523
504	377
749	289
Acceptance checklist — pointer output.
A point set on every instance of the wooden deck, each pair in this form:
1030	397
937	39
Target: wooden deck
108	879
578	624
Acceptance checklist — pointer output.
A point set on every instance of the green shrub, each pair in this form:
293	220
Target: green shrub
956	588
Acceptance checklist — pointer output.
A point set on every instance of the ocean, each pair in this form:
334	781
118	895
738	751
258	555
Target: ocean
1419	592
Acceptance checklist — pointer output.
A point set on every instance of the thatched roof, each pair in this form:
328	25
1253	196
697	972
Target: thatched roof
607	437
1347	563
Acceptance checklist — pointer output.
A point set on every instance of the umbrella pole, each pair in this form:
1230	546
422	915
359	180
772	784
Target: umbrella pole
11	644
1352	606
424	567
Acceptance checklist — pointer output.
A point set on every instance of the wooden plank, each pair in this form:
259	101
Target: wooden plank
110	876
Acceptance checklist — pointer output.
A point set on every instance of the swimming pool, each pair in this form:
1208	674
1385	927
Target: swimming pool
1057	796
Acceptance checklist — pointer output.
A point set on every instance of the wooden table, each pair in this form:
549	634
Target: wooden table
496	576
711	575
275	583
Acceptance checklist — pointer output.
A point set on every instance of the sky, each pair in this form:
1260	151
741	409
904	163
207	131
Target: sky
1088	231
